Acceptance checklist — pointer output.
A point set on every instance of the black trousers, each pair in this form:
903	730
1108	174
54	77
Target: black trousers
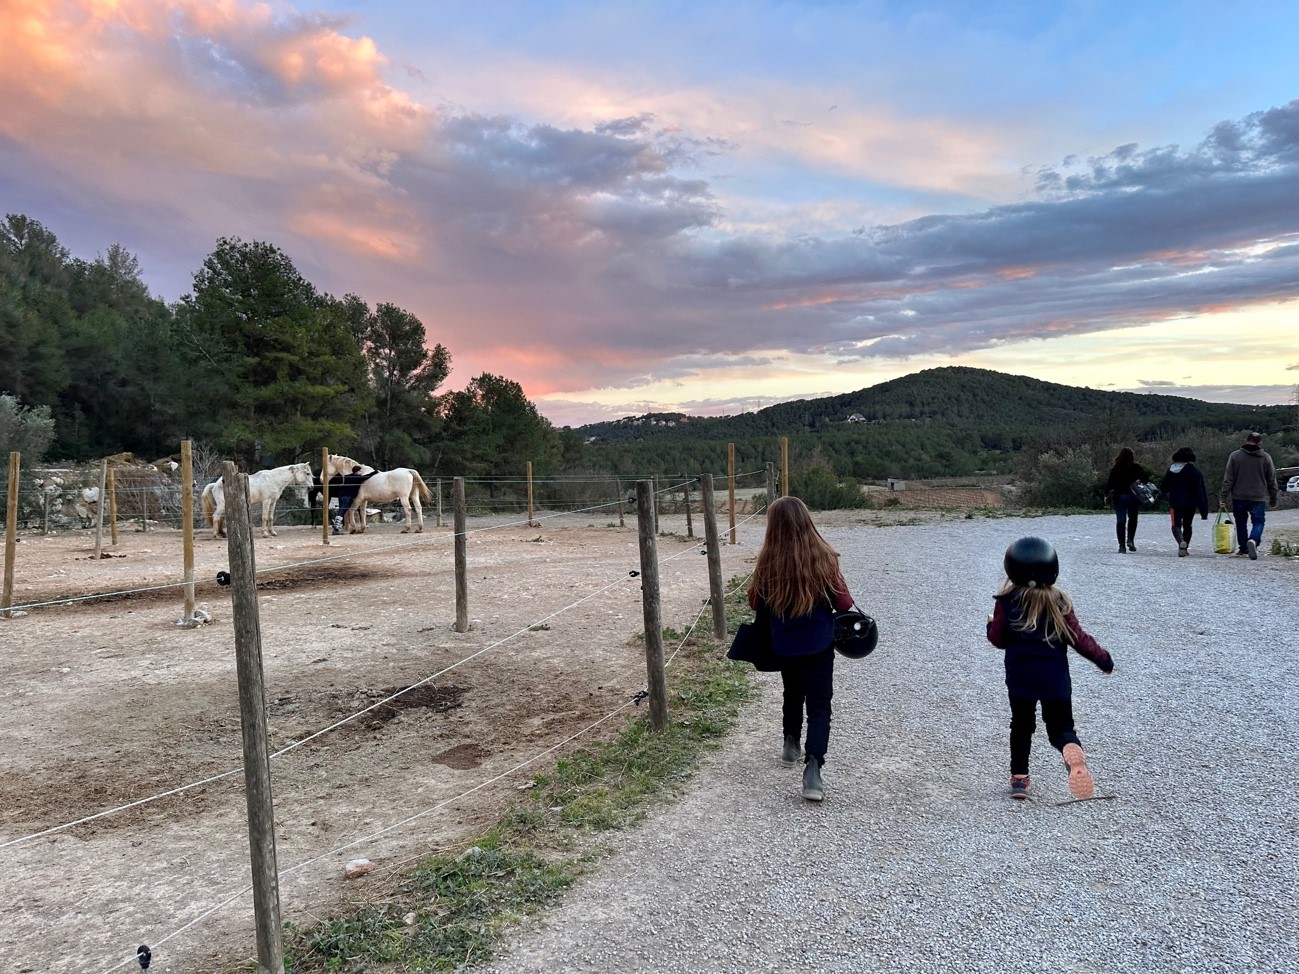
1182	519
1056	714
809	683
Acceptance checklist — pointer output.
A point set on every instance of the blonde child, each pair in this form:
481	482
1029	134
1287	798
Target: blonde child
1034	623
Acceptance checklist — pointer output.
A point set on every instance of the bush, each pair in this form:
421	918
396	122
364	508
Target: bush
1061	478
819	488
26	431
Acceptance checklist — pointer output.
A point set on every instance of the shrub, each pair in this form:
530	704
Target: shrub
1061	478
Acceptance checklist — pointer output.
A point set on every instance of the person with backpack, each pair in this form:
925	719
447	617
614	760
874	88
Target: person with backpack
1119	491
1183	484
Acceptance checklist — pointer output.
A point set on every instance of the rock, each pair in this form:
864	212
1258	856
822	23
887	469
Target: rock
357	868
409	919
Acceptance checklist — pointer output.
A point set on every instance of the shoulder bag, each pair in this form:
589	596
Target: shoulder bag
752	643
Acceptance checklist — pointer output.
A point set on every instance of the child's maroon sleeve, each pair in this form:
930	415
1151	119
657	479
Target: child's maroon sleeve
997	627
1088	646
841	598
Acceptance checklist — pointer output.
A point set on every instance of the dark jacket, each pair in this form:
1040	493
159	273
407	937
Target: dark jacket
1250	476
810	634
1184	486
1123	476
1035	668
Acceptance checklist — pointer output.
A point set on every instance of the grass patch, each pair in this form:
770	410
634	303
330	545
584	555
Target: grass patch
452	911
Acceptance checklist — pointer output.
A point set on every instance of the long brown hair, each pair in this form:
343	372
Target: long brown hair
1045	606
796	566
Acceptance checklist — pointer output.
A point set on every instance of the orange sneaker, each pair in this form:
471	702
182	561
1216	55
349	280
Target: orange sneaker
1081	784
1019	785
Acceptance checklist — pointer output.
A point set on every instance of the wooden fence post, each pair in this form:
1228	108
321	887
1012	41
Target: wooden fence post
715	595
187	521
462	561
112	503
784	466
531	523
99	509
652	609
252	715
144	510
325	519
730	486
654	505
690	522
11	536
439	502
771	483
618	485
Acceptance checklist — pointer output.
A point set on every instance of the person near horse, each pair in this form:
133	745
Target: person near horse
348	485
1125	472
1184	486
1249	482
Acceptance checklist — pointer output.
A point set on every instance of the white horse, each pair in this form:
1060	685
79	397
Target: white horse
265	486
402	484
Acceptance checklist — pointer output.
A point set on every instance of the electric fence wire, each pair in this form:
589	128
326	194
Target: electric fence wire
445	802
234	772
317	561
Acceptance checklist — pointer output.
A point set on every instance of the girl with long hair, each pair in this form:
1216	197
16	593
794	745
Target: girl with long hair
798	584
1034	622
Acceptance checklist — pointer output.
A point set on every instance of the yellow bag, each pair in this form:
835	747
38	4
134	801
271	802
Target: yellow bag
1224	542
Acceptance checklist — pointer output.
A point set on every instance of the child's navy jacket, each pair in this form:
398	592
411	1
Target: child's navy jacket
1035	668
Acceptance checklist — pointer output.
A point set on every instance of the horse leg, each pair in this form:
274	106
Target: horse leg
405	507
268	515
419	512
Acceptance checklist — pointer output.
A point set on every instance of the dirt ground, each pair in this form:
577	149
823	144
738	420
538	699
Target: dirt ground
111	702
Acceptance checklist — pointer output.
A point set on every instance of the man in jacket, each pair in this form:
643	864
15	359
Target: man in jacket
1249	483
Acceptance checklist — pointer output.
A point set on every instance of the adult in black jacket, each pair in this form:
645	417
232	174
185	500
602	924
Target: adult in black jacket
1125	472
1184	486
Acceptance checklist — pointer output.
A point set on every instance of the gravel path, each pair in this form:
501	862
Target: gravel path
917	860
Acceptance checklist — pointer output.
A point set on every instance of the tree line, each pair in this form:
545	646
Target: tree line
255	362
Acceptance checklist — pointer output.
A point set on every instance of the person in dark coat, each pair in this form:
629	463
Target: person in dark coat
1184	487
1034	622
798	584
1125	472
349	484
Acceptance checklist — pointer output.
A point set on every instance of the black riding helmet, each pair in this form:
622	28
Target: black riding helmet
1032	560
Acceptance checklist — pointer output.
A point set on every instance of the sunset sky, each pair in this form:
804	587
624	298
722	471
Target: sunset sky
705	207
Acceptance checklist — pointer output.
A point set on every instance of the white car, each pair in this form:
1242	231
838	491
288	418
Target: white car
1292	486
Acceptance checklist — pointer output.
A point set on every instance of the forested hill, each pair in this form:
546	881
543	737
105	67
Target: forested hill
954	396
972	420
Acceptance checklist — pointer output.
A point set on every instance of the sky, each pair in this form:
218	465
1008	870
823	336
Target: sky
703	207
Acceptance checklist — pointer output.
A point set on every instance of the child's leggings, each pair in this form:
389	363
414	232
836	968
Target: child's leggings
1056	714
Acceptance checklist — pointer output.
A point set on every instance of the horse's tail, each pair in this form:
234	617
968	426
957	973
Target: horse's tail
208	506
424	492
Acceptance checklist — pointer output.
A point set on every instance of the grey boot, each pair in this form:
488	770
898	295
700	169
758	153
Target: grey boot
813	788
792	752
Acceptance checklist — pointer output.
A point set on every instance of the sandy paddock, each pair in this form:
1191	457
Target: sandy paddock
111	702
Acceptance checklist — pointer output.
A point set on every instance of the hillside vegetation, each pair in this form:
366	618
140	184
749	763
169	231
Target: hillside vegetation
936	423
